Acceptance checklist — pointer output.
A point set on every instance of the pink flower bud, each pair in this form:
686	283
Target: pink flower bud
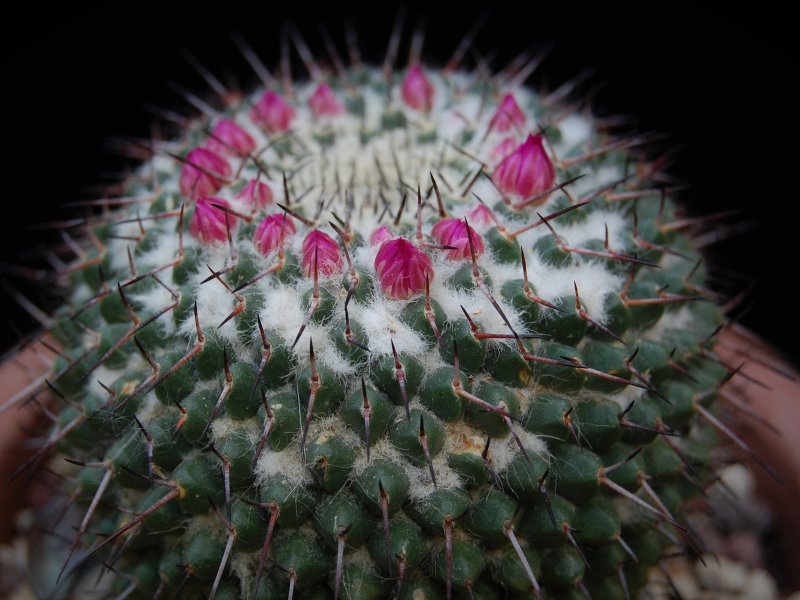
402	268
322	246
324	103
268	233
203	173
208	222
380	235
480	215
417	91
527	171
272	112
228	138
453	232
256	194
508	115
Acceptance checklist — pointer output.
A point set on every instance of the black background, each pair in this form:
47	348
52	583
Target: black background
718	82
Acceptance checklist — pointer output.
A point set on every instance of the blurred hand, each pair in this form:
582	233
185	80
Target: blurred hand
779	405
18	425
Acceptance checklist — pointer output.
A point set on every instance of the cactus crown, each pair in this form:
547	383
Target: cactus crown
424	334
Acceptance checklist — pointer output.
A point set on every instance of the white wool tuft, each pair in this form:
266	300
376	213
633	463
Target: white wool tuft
162	253
575	131
221	427
287	463
323	428
118	248
152	302
420	477
214	301
601	176
162	163
503	451
283	312
380	319
595	283
460	437
380	450
594	228
324	349
484	190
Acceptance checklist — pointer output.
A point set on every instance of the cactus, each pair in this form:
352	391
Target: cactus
417	334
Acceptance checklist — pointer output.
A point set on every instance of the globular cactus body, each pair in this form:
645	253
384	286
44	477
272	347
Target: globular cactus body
420	335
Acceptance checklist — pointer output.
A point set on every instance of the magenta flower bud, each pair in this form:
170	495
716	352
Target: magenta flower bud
402	268
256	194
323	102
228	138
273	113
417	91
508	115
208	222
203	173
527	171
380	235
453	232
269	231
322	246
